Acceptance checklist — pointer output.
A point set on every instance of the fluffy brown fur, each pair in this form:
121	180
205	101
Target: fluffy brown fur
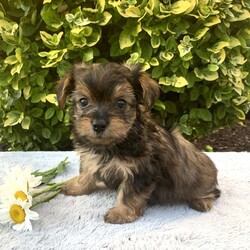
122	148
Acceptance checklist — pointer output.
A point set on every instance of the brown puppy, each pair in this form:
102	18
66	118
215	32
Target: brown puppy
122	148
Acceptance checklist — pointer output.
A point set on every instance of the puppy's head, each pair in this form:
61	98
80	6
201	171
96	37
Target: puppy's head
106	99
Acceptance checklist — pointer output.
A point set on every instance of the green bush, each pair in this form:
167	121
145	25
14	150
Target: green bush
198	50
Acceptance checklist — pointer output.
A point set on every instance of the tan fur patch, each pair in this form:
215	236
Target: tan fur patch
116	131
85	183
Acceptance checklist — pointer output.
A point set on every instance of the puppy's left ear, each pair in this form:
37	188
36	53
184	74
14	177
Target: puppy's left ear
64	87
150	88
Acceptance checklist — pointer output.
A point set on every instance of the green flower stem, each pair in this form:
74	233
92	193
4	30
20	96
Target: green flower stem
50	188
48	198
50	174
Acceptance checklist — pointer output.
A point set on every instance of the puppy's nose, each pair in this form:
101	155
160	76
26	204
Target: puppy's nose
99	125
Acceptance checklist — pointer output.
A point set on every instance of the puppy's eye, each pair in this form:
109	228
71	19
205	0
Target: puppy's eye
84	102
121	103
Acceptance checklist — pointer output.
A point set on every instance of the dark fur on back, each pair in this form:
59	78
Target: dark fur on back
122	148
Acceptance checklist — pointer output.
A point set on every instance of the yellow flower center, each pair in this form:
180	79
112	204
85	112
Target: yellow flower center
21	195
17	214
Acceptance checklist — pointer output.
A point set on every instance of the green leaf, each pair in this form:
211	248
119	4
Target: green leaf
204	114
183	119
53	121
157	72
39	80
210	75
186	129
193	114
49	40
201	33
104	18
37	97
100	5
234	42
170	107
166	56
136	29
212	67
155	41
212	20
34	17
13	117
56	136
59	114
180	82
53	57
16	69
19	54
126	40
166	81
245	14
221	112
51	17
159	105
180	7
36	112
51	98
154	61
46	133
147	50
88	55
177	82
133	12
49	113
11	60
217	47
194	95
240	100
26	122
204	55
10	39
184	49
239	113
219	58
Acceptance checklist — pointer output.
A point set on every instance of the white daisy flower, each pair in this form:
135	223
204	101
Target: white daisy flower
17	212
32	180
15	189
16	174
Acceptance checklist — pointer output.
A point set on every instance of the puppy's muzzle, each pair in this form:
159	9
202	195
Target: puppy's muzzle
99	125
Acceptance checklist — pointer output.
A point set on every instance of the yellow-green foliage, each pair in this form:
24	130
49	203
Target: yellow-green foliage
197	50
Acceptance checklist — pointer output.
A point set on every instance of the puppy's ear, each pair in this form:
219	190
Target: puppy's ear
64	87
151	90
149	87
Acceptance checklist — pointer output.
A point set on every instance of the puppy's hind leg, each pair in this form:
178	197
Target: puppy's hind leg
205	203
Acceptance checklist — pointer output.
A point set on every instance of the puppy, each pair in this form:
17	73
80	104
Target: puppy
122	148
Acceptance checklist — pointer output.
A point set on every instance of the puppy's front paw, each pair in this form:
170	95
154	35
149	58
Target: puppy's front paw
118	215
71	187
74	187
